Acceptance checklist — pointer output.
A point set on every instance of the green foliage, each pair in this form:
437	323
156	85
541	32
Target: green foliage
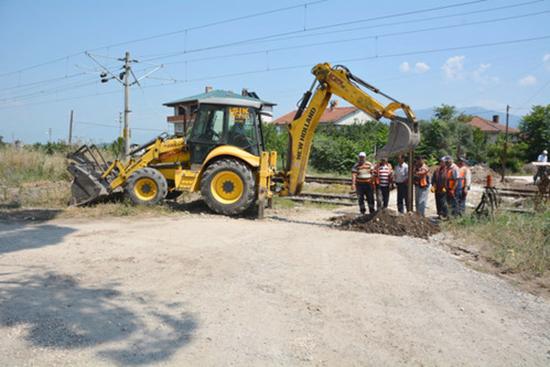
445	112
514	155
59	147
449	134
116	148
335	148
535	131
276	141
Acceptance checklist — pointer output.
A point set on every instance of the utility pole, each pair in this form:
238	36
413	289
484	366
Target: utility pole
505	152
49	135
126	133
124	79
71	128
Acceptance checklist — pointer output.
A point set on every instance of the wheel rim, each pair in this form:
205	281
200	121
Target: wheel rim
227	187
146	189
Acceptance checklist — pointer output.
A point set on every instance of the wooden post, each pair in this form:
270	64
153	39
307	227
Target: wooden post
505	152
410	183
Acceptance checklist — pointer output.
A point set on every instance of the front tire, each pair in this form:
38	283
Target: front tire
228	187
146	186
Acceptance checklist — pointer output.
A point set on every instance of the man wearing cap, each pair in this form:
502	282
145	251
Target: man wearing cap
542	158
362	182
466	174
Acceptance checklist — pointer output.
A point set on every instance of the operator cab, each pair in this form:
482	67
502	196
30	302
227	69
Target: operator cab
226	121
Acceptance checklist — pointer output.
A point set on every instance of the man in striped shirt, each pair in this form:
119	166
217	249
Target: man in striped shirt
362	182
383	173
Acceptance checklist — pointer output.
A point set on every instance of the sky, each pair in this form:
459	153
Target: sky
486	53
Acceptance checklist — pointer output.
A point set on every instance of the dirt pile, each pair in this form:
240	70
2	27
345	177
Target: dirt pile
480	172
389	222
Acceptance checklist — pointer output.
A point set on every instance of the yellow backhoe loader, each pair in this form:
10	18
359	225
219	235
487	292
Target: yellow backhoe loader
224	157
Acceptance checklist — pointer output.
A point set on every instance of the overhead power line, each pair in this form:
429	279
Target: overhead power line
334	25
290	67
411	21
274	38
376	36
223	21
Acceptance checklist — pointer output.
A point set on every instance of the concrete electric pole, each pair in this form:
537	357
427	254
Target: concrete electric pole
126	134
124	79
70	141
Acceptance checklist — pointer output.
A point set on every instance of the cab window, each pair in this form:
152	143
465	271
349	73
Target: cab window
241	129
209	124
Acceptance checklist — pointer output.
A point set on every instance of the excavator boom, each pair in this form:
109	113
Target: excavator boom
338	80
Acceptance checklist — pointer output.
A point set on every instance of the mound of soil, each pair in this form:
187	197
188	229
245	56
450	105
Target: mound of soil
480	172
389	222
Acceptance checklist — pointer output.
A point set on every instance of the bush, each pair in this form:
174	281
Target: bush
514	156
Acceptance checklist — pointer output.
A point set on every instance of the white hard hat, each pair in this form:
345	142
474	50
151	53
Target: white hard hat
362	154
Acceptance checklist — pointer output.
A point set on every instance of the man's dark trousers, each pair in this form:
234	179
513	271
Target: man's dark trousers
402	194
441	204
365	190
383	196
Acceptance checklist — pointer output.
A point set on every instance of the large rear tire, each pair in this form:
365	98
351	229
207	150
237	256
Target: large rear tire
228	187
146	186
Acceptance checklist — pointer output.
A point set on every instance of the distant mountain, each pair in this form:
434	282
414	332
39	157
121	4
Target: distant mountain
427	113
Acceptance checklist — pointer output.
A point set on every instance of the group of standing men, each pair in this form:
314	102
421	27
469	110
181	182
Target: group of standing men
449	182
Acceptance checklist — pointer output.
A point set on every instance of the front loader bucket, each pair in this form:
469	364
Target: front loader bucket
401	139
87	165
87	186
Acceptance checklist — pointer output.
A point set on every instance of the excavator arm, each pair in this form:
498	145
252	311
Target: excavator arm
338	80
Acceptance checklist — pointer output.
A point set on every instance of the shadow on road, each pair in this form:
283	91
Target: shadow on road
58	312
21	236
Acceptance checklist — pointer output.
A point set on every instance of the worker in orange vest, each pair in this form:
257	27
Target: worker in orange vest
362	182
453	186
421	185
439	182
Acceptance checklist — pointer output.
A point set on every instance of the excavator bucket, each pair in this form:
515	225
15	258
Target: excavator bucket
86	166
401	139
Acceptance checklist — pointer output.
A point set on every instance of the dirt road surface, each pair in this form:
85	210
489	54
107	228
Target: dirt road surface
210	291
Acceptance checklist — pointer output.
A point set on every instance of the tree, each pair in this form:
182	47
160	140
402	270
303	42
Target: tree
535	131
276	141
514	155
448	134
445	112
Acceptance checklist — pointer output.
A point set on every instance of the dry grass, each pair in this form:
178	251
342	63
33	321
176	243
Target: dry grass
516	243
19	166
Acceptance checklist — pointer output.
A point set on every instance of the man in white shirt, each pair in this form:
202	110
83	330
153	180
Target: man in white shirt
542	158
401	178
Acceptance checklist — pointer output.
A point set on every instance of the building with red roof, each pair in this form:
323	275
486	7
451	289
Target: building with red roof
332	115
491	128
